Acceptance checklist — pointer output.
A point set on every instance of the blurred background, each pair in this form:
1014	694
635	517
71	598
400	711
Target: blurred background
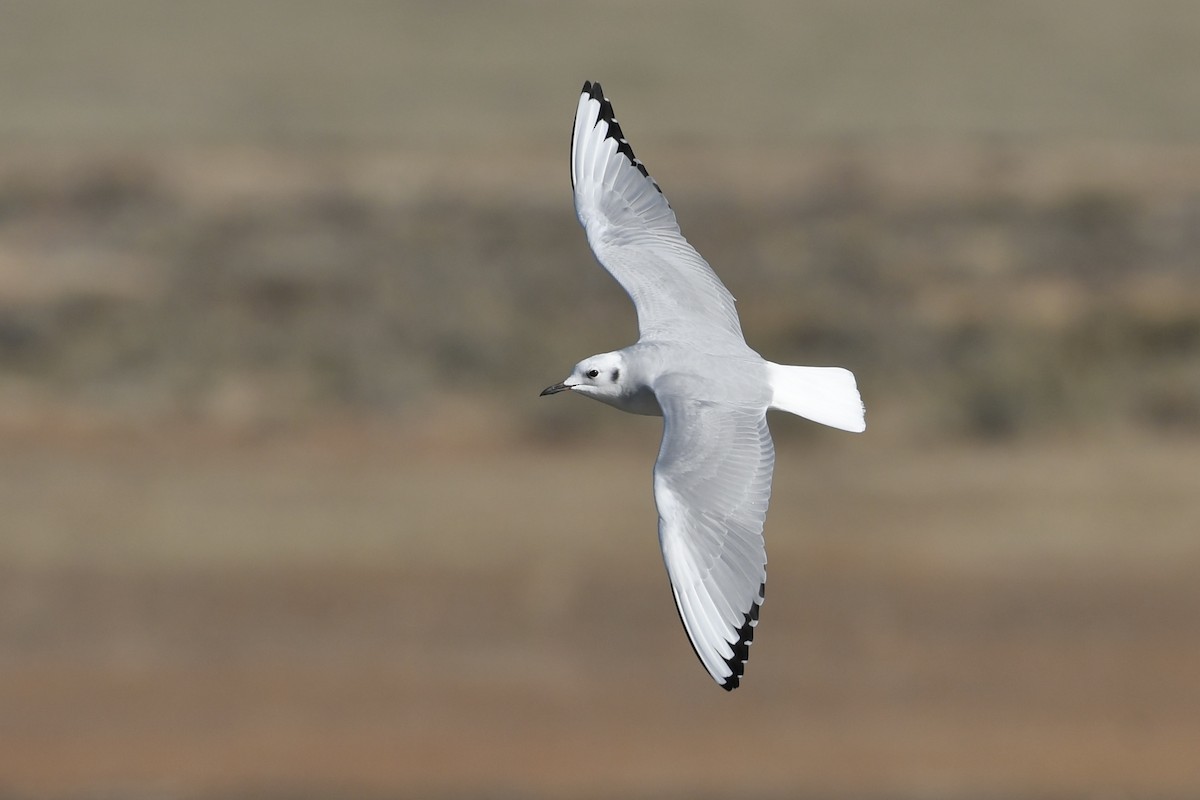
282	516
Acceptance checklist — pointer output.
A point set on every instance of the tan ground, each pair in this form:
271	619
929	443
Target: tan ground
334	614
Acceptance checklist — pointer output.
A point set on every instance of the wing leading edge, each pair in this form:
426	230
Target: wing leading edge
633	233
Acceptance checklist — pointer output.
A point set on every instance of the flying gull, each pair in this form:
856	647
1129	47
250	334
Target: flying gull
692	366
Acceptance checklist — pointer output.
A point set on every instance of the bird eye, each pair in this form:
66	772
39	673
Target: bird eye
592	373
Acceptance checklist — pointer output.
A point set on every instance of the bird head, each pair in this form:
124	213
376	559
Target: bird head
601	377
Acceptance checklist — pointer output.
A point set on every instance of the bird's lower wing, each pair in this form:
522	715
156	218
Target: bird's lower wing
712	483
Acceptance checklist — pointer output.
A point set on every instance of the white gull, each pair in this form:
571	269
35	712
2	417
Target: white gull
692	366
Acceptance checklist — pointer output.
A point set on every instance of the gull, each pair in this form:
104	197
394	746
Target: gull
692	366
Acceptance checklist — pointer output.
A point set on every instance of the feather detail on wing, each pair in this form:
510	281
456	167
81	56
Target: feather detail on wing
712	484
634	235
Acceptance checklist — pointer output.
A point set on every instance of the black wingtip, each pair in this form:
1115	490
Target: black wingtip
593	90
741	650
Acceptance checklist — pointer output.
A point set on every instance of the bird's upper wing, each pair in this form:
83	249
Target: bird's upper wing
712	483
633	233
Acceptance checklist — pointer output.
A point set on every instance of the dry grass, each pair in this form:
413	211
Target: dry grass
978	292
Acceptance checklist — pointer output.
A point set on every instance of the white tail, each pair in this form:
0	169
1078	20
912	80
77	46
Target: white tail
828	395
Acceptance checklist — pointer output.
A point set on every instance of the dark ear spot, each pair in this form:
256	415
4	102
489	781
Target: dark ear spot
616	373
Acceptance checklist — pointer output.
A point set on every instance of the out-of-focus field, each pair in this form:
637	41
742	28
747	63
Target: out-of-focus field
336	615
281	514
